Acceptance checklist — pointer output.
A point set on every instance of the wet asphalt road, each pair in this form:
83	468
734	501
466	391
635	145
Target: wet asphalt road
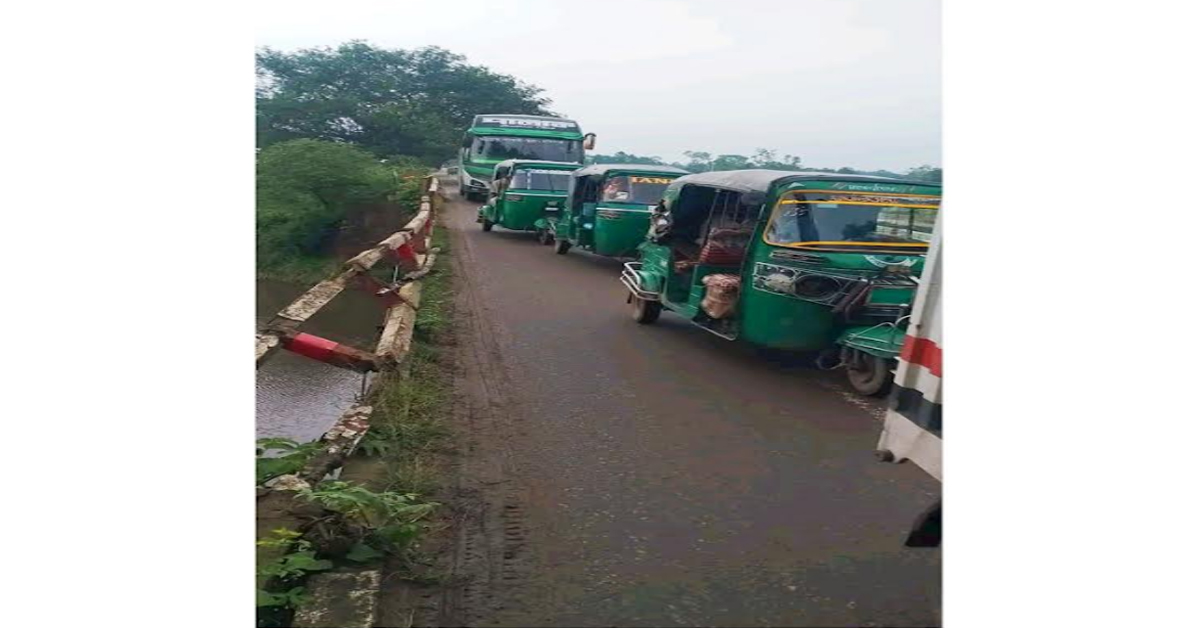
670	477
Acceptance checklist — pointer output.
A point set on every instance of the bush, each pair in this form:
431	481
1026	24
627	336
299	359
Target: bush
303	190
410	173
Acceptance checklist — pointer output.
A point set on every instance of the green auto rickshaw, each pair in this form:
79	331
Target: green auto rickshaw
523	192
608	207
794	261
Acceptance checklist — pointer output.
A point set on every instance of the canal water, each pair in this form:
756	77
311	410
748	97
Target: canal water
300	398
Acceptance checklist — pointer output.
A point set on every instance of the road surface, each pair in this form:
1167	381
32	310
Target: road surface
616	474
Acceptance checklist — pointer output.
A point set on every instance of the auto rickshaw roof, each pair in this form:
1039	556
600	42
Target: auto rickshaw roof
762	180
603	169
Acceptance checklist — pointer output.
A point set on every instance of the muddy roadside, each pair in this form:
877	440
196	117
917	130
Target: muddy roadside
475	539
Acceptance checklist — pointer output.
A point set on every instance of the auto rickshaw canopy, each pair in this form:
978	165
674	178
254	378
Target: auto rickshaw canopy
604	169
506	167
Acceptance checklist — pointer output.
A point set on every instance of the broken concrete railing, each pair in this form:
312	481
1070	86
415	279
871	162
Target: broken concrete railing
410	249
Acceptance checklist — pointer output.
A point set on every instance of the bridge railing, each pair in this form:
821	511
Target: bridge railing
411	250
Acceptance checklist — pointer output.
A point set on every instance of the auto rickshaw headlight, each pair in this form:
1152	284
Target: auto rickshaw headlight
815	286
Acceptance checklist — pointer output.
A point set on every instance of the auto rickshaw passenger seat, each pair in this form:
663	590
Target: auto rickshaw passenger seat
724	247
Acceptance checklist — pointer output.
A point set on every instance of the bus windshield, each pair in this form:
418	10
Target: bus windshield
495	148
554	180
808	218
636	189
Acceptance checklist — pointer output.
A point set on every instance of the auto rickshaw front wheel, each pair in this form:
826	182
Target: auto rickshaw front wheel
562	246
868	374
645	312
487	224
544	237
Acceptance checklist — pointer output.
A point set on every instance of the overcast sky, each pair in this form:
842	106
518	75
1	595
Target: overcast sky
837	82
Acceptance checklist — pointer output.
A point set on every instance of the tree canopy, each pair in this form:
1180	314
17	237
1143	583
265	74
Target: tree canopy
388	101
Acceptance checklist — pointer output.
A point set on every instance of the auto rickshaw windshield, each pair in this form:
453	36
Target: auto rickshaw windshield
636	189
815	218
553	180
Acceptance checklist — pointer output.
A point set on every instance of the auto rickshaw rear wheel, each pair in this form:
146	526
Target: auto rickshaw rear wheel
562	246
646	312
868	374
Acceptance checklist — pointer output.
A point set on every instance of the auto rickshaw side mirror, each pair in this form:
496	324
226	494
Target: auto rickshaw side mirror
589	141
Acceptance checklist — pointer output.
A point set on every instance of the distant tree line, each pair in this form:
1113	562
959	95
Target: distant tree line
701	161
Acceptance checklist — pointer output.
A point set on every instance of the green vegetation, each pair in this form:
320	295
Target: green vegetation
364	524
701	161
339	127
387	101
408	428
305	189
284	573
286	457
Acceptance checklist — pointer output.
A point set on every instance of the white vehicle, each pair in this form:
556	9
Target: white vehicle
912	429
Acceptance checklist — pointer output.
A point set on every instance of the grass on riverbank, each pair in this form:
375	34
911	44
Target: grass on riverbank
409	430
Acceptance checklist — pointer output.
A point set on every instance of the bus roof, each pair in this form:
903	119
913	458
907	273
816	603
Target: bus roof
602	169
527	125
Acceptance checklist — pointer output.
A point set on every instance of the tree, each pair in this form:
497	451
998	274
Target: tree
731	162
303	190
622	157
700	161
391	102
925	173
763	156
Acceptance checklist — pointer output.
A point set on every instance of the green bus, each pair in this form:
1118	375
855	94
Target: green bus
493	138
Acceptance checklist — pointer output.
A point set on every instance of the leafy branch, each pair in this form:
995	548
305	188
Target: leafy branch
291	460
